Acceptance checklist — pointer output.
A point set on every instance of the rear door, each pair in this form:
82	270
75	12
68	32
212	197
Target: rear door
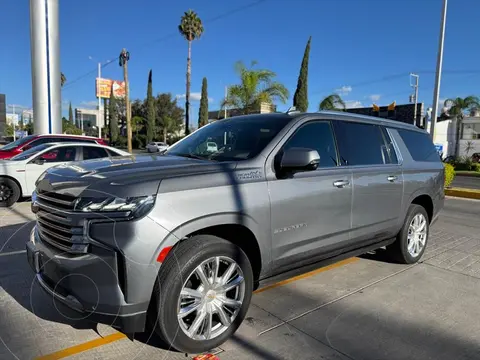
368	151
310	211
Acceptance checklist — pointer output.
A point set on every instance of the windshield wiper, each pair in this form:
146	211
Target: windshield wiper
191	156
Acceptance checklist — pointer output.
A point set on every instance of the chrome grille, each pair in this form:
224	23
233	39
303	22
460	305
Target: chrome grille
56	226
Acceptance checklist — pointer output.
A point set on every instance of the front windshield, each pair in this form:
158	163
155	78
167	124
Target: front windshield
18	142
233	139
30	152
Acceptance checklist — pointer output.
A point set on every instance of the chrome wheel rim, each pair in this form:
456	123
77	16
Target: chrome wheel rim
417	235
5	192
211	298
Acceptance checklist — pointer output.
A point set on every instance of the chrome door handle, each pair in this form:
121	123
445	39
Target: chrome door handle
341	183
391	178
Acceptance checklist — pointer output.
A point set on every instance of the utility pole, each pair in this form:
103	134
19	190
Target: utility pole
99	103
123	61
414	97
438	75
226	94
13	123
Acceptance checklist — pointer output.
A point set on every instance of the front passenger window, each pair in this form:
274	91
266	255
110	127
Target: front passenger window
318	136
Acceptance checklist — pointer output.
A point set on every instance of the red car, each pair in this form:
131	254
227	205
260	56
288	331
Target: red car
30	141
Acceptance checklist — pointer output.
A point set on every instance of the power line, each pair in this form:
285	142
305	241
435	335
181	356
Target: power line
166	37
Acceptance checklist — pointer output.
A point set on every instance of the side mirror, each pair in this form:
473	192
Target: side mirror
39	161
299	159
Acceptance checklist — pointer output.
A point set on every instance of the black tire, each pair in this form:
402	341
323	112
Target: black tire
180	263
398	251
9	192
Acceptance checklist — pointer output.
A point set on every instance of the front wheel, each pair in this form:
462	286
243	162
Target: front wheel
9	192
412	238
202	294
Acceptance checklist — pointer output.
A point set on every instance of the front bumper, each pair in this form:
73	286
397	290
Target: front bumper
89	284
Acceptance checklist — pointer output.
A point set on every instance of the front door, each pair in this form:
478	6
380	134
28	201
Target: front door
46	160
310	211
377	180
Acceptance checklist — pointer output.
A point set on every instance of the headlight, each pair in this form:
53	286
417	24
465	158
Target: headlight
138	206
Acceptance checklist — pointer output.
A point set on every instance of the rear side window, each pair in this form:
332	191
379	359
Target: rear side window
93	153
419	145
318	136
360	144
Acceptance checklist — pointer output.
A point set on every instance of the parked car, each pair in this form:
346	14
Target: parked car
283	191
156	147
18	175
16	147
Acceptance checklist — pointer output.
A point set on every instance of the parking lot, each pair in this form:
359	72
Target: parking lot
357	308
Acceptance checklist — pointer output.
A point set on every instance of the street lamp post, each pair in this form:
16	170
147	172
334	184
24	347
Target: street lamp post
123	62
438	75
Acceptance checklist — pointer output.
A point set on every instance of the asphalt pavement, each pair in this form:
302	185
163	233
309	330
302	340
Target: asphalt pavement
360	308
469	182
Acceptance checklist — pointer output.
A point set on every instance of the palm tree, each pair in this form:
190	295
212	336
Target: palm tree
190	28
137	124
256	87
63	79
332	102
457	108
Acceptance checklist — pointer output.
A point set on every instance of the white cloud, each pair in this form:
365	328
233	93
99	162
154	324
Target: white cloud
375	97
344	90
194	96
352	104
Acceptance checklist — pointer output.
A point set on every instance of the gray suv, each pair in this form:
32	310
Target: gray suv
177	242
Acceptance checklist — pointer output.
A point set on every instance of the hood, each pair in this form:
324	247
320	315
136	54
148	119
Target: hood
125	176
6	154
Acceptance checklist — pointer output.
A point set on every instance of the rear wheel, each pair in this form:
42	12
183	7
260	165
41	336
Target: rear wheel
412	238
9	192
202	294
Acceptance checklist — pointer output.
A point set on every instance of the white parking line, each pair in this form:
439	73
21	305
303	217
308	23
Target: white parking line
13	253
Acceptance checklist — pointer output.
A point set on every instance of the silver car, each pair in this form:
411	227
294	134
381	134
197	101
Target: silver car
181	240
156	146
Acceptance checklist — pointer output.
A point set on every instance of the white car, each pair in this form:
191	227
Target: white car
156	147
19	174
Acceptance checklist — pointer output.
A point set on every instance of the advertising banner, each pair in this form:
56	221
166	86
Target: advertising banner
104	87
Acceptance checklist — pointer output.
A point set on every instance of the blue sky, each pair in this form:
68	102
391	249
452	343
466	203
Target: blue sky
360	48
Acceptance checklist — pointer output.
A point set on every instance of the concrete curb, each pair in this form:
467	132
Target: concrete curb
474	175
463	193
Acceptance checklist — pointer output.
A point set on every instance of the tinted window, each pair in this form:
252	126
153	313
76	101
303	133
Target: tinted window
360	144
60	154
419	145
390	149
93	153
18	142
317	136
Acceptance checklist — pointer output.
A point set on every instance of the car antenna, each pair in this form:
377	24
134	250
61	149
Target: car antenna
292	109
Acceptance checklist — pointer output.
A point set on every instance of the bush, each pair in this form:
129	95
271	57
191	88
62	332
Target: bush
139	141
449	174
476	167
121	142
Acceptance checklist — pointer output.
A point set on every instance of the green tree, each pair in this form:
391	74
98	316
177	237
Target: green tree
113	115
333	102
137	124
29	128
169	116
70	113
8	130
457	108
300	99
70	128
190	28
203	110
150	109
256	87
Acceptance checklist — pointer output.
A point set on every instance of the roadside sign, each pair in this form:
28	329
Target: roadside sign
439	148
